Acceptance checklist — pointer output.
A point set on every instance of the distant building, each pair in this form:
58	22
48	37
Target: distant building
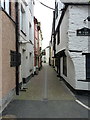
45	56
37	45
71	42
52	46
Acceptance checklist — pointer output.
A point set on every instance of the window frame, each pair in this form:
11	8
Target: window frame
58	36
4	6
23	19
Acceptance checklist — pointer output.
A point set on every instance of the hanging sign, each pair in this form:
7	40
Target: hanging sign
83	32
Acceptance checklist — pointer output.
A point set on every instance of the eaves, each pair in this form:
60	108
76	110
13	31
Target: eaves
64	10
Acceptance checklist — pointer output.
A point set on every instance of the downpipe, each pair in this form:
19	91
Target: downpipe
17	45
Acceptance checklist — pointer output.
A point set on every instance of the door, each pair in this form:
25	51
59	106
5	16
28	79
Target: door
88	66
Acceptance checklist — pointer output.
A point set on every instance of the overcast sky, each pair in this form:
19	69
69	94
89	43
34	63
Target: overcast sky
45	16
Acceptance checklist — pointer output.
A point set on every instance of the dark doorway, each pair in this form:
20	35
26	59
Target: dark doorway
88	66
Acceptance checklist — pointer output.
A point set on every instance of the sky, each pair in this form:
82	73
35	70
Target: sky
45	16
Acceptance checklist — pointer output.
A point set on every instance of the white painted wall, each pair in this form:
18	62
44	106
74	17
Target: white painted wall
76	21
77	15
76	62
60	6
27	60
47	55
63	33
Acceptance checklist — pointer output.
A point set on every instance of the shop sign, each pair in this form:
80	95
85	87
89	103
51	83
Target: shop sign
83	32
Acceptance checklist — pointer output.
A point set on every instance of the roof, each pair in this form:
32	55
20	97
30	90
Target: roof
75	1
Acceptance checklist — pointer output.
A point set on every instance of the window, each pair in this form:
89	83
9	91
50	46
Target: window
56	63
2	4
65	65
88	66
58	37
30	32
56	10
15	59
6	5
23	19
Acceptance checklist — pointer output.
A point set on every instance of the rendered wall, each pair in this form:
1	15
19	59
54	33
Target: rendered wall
8	43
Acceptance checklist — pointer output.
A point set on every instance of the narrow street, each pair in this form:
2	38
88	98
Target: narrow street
46	97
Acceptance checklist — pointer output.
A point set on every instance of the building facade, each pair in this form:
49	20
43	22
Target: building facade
71	41
52	44
46	54
8	52
37	46
17	47
26	40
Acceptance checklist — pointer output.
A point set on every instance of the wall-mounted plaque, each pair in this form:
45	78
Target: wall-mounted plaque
83	32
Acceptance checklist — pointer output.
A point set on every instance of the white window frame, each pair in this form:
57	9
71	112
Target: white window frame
7	6
23	19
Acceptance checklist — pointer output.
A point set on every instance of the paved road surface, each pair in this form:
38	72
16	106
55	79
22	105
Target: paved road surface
46	97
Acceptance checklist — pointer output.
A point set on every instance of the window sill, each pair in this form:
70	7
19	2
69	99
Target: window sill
23	32
87	80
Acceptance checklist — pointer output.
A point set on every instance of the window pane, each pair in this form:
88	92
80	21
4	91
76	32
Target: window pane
23	18
7	6
2	3
65	65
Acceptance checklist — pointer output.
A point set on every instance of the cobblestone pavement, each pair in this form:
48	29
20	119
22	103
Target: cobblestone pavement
46	97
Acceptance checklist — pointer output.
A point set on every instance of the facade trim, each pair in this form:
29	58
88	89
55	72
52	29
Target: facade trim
70	3
87	80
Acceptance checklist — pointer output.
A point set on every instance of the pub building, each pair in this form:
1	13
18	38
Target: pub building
71	41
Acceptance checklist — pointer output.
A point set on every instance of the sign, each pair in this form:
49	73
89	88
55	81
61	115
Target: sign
83	32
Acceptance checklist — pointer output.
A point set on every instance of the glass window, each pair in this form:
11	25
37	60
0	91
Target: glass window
22	19
30	32
56	10
7	6
2	3
65	65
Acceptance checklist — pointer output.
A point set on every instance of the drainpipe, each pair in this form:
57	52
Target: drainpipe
17	45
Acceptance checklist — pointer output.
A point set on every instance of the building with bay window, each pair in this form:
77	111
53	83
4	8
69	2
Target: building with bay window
72	39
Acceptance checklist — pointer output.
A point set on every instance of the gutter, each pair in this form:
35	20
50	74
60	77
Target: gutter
17	45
